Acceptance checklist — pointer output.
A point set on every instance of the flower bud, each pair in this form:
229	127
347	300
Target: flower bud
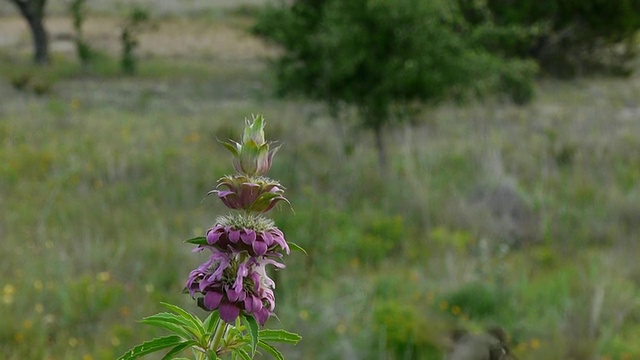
252	157
254	131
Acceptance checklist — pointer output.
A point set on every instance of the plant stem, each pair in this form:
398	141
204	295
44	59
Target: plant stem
217	336
201	355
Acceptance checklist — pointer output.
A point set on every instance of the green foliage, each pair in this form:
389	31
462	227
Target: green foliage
136	20
406	330
211	338
566	38
78	13
151	346
36	82
478	301
375	53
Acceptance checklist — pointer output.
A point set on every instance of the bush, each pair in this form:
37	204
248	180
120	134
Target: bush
407	332
477	301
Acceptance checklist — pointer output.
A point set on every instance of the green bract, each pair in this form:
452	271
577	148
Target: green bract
252	157
240	192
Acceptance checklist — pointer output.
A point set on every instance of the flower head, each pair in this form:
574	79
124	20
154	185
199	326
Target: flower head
255	243
231	285
243	193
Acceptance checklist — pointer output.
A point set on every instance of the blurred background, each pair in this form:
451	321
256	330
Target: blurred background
451	164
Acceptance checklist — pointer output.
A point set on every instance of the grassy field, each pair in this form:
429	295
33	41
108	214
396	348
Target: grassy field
489	214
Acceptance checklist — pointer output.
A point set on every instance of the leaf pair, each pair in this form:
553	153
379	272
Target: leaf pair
209	338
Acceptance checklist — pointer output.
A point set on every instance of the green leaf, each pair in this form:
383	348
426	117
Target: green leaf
211	321
297	247
231	147
243	354
152	346
212	354
200	240
271	350
193	321
178	349
279	336
252	329
172	323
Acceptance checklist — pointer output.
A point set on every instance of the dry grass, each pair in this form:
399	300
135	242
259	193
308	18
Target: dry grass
177	37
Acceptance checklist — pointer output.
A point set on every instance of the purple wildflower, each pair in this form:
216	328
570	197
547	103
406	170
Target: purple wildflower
243	193
256	243
234	279
232	286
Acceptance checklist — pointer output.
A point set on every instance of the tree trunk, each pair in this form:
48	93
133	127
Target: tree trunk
33	12
382	152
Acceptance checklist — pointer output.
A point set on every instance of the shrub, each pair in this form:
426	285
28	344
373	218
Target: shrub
476	300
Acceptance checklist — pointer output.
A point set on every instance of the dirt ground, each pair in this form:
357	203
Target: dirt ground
172	37
157	7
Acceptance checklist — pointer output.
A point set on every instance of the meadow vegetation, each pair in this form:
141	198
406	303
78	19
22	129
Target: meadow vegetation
526	217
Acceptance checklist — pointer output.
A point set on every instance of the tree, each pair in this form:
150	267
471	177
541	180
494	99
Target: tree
569	37
385	55
33	12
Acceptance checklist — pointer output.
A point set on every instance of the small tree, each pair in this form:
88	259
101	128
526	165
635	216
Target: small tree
33	12
78	14
136	21
380	55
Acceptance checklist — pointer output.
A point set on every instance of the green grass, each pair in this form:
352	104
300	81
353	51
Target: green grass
103	176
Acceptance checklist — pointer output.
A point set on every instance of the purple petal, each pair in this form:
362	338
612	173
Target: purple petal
198	249
228	311
242	272
248	194
262	316
255	277
192	284
270	299
267	237
212	236
224	193
278	237
230	199
217	274
234	295
234	236
248	236
204	284
259	248
252	304
212	300
266	261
